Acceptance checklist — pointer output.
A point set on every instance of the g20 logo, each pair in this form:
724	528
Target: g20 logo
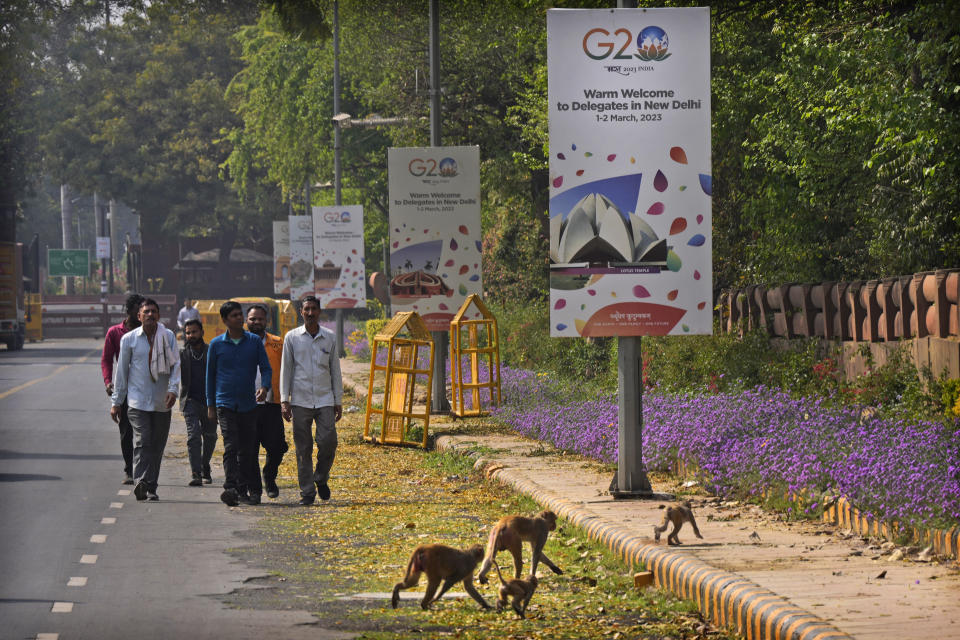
652	43
445	168
336	216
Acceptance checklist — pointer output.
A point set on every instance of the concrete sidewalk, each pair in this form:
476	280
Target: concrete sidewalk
753	572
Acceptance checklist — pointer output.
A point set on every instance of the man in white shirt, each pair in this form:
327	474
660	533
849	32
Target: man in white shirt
311	391
148	379
188	312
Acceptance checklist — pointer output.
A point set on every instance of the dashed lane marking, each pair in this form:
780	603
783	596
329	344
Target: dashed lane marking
88	558
48	636
123	492
62	607
77	581
116	505
108	521
98	538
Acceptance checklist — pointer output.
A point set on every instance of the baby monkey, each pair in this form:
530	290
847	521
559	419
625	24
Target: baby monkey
520	590
677	514
441	564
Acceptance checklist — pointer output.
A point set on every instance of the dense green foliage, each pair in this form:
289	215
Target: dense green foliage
835	123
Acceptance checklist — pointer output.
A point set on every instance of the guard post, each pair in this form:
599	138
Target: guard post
474	342
406	349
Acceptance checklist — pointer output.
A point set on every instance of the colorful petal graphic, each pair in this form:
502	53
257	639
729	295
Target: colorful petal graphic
474	278
579	324
696	274
701	306
673	295
453	244
579	172
479	246
464	269
560	304
591	292
655	209
464	230
611	157
677	154
557	182
640	291
561	326
463	290
706	183
699	219
673	261
587	154
561	157
697	240
448	263
660	181
678	226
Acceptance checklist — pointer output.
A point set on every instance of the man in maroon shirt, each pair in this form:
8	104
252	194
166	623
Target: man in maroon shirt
111	348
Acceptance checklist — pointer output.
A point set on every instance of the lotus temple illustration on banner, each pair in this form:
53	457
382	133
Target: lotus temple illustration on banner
593	230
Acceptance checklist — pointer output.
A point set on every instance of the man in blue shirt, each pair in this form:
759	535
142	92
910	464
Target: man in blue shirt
232	362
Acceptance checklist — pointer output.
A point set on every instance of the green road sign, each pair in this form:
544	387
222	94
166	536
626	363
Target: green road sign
68	262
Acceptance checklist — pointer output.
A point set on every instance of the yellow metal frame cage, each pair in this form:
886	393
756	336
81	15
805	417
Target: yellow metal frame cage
476	340
400	376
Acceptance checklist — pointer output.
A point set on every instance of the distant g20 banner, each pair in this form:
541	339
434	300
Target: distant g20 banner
434	230
630	173
338	260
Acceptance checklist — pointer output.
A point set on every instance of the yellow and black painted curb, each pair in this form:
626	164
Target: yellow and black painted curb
725	598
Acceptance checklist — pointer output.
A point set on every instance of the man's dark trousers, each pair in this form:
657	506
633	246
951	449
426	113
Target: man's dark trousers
201	436
241	466
126	440
270	434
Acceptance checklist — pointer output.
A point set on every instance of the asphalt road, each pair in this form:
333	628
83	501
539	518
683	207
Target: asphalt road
80	558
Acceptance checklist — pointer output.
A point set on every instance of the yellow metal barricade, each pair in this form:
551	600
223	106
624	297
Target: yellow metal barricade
475	352
282	316
34	317
406	347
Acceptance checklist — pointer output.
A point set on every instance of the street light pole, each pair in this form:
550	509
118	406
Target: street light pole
337	150
439	402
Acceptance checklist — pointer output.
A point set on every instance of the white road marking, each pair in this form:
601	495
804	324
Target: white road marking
98	538
62	607
88	558
108	521
116	505
123	492
48	636
77	582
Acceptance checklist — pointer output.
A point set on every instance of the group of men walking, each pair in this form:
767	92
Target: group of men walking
247	381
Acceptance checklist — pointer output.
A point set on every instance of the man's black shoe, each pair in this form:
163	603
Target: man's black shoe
207	479
229	497
152	496
127	478
270	486
140	491
252	500
196	481
323	491
306	501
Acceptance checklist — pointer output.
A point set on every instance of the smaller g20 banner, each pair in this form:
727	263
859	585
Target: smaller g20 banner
435	236
338	264
281	257
630	175
301	256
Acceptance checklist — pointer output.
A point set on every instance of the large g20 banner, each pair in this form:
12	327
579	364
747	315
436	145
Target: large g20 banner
434	230
630	192
338	264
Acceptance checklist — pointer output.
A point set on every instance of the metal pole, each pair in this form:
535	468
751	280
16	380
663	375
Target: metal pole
337	151
631	480
438	401
100	213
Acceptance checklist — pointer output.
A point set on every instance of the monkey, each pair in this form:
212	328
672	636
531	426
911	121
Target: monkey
510	533
441	562
677	514
520	590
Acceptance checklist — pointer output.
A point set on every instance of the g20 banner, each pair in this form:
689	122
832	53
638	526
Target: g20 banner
630	173
301	256
281	257
338	265
434	230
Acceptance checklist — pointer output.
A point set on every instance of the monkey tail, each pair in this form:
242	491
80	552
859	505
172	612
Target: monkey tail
416	562
492	543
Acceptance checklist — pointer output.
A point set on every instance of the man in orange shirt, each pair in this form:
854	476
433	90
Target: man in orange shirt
270	430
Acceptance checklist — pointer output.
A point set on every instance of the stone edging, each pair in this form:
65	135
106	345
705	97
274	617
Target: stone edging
723	597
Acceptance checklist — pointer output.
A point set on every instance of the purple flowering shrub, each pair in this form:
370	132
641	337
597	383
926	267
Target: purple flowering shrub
762	438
